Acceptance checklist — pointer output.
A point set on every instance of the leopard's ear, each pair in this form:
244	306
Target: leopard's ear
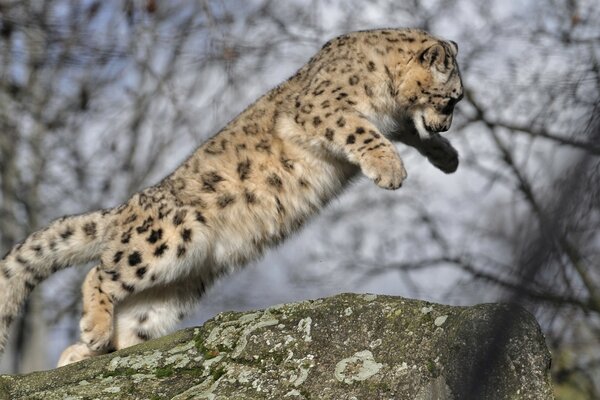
453	47
433	56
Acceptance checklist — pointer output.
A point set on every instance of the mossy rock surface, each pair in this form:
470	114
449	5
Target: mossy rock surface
350	346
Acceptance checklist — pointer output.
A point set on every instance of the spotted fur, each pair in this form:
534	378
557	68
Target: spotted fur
247	188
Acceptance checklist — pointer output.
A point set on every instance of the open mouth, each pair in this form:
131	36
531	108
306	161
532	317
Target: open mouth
422	129
436	128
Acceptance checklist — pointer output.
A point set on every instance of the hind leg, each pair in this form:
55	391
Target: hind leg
143	316
154	312
96	323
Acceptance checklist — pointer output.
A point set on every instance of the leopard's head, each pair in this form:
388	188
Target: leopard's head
430	86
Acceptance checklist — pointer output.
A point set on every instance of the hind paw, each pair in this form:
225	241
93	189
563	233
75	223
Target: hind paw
74	353
96	331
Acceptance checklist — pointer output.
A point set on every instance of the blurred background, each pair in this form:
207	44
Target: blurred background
99	99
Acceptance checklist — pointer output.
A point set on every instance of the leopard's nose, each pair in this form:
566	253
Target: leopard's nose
449	107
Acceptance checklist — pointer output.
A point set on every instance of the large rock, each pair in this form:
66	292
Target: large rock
343	347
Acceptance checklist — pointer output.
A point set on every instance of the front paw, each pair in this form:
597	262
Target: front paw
386	170
441	154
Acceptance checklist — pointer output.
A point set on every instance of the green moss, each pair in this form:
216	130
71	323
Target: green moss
199	343
305	393
432	368
278	358
426	318
222	348
202	349
218	372
163	372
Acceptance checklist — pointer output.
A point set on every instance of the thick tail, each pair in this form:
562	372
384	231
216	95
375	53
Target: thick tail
66	241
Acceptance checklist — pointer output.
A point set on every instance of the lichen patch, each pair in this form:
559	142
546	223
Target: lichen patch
439	321
359	367
304	327
369	297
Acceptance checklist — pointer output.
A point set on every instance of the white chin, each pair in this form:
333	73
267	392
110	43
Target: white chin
418	121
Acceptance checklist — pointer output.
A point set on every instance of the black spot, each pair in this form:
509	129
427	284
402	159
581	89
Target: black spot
367	141
264	145
186	235
360	130
90	229
160	250
22	261
145	336
143	318
145	225
240	147
200	218
225	200
280	208
117	257
329	134
29	286
371	66
287	163
180	251
6	272
316	121
140	272
162	213
210	180
275	181
155	236
126	236
374	134
250	129
341	122
179	217
67	233
127	288
212	149
350	139
353	80
153	278
243	169
302	182
38	249
115	275
249	196
134	258
130	219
